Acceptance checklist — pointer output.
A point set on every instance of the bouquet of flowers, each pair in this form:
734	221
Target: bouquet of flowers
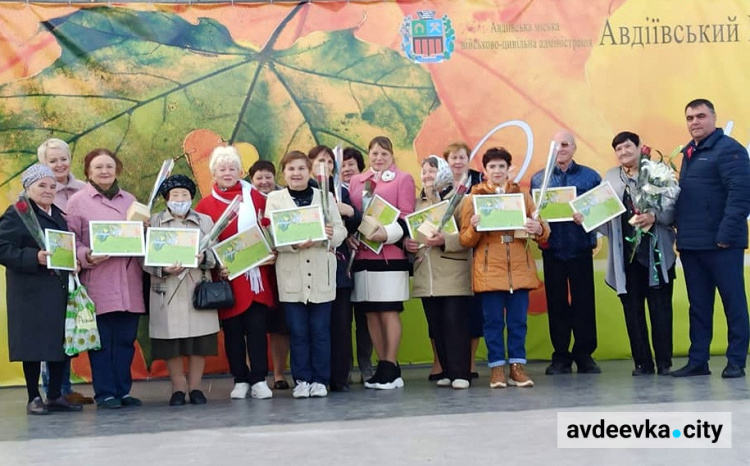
657	189
25	210
461	191
230	213
264	224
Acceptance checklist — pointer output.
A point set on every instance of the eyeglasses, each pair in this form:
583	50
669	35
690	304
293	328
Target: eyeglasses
567	144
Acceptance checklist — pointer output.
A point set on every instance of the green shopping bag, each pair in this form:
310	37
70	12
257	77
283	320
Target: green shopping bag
81	333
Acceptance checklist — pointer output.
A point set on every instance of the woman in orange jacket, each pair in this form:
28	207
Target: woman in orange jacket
503	273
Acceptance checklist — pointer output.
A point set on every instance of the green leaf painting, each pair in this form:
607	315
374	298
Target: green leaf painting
138	82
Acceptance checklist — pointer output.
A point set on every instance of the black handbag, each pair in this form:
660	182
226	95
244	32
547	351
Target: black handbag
210	295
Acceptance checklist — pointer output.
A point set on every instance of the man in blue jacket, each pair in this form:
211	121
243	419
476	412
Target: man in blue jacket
568	266
711	220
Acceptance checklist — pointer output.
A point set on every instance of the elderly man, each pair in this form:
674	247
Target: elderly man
711	220
568	266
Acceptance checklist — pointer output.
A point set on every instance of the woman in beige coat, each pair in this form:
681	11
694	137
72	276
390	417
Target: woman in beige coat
442	278
176	328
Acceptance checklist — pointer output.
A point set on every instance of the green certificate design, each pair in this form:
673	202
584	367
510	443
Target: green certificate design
598	206
243	251
62	245
297	225
169	246
385	213
433	214
500	211
116	238
558	207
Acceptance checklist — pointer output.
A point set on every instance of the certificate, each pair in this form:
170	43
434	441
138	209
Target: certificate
116	238
62	245
557	208
433	214
297	225
500	211
598	206
169	246
385	213
243	251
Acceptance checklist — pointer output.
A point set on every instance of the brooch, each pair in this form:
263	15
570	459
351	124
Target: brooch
388	176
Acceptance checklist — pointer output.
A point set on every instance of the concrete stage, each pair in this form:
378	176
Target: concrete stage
420	424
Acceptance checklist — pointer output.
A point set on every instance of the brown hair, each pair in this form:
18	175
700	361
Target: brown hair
383	142
261	166
315	151
295	155
455	147
496	153
96	153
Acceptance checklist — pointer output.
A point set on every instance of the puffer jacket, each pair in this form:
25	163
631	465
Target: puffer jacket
500	266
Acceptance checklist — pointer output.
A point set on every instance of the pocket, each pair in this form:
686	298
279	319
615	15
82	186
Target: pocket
459	259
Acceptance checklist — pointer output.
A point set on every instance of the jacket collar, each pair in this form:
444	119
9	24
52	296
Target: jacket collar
484	188
192	216
706	143
572	169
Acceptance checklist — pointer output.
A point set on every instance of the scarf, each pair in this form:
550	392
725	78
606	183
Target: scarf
108	193
246	218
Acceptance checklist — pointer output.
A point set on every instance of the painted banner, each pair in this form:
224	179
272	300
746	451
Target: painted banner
153	82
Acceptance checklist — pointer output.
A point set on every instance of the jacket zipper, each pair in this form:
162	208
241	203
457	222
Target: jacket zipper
510	275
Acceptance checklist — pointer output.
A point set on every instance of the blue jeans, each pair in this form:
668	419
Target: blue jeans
67	387
310	341
501	309
110	366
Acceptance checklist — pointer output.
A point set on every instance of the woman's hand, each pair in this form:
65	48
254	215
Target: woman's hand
41	257
174	269
329	232
306	245
272	260
200	257
474	221
95	260
346	210
353	242
578	218
411	246
644	221
223	273
435	240
533	227
379	235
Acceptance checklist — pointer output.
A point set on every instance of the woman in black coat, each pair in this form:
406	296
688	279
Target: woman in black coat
36	296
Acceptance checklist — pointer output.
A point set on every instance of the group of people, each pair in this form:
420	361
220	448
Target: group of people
472	283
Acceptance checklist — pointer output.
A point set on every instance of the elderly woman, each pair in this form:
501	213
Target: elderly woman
176	328
442	278
36	297
115	284
55	153
650	276
381	280
245	323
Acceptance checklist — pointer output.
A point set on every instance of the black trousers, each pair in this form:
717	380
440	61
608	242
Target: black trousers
659	311
245	337
31	371
448	317
341	336
577	315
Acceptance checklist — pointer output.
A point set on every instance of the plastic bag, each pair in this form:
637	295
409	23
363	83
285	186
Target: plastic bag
81	332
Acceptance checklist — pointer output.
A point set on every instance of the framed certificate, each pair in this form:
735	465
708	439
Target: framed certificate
297	225
557	208
243	251
169	246
433	214
62	245
108	238
598	206
500	211
385	213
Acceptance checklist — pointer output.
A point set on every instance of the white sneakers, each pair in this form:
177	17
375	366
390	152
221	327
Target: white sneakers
460	384
261	391
239	392
444	382
307	390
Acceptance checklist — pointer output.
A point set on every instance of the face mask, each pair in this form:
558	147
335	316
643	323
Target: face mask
179	208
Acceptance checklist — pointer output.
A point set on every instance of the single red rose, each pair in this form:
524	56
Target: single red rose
22	206
646	150
265	223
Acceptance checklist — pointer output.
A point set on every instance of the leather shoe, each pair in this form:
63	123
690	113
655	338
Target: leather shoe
642	370
690	370
197	397
732	372
110	403
177	399
79	398
664	370
281	385
36	407
128	400
558	368
62	404
475	375
588	367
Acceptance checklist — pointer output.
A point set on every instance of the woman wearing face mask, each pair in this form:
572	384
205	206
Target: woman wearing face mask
176	328
442	278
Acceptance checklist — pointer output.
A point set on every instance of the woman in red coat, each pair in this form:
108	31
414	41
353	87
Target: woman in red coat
244	323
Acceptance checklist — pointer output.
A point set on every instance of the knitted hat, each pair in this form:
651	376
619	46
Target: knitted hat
35	173
177	181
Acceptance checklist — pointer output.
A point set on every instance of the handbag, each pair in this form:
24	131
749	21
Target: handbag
210	295
81	332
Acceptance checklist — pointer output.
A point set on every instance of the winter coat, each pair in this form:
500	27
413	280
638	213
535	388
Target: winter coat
172	314
498	265
64	191
36	297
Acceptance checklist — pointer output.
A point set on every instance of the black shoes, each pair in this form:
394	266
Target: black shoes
197	397
732	372
643	370
128	400
690	370
559	368
433	377
281	385
178	399
663	370
63	405
588	367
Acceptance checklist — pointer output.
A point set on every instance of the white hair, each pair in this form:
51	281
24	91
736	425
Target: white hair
224	154
52	143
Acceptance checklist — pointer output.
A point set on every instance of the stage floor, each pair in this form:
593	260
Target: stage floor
419	424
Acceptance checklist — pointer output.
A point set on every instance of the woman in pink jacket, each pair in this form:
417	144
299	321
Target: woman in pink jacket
381	280
114	283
